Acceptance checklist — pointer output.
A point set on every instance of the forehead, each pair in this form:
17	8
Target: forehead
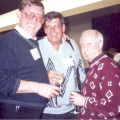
88	37
54	21
34	9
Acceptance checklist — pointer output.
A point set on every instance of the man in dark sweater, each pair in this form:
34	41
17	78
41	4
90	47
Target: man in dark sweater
24	87
100	95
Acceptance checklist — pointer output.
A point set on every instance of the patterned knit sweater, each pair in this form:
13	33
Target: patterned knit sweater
53	60
102	90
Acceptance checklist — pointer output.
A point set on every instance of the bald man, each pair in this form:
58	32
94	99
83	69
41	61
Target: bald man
99	97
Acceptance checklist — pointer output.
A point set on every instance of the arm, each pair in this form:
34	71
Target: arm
107	99
42	89
10	83
107	102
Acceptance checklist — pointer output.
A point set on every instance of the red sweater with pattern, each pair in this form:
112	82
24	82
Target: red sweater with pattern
102	90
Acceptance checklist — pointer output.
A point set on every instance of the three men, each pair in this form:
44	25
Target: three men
100	96
24	87
60	57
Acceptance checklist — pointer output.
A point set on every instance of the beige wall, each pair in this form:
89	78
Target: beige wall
73	30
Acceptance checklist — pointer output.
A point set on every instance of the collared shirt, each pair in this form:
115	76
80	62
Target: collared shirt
23	33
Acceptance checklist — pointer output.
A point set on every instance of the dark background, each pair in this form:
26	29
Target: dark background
109	26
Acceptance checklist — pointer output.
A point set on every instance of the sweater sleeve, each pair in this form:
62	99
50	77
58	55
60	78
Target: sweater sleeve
9	82
106	102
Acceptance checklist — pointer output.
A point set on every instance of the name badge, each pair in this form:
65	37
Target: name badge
68	62
35	54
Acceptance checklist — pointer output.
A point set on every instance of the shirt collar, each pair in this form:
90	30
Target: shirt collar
23	33
95	59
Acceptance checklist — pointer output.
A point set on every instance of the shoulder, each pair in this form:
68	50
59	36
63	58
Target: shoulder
110	66
9	37
73	42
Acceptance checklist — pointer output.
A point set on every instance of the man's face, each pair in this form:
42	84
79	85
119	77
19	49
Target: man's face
89	46
32	26
54	31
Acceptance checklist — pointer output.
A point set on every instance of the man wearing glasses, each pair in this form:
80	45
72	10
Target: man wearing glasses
60	57
24	87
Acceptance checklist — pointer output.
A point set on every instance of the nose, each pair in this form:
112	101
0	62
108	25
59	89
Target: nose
83	47
53	29
34	19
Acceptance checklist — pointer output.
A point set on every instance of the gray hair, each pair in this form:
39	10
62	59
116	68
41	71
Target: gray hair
98	35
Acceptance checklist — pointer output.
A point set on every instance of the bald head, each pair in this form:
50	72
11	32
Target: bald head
91	42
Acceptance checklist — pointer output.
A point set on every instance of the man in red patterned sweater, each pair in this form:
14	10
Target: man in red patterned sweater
100	95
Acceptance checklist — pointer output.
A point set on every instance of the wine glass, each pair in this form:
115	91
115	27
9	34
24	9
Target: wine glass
60	81
75	106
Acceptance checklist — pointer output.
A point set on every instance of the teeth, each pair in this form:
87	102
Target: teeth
31	25
53	34
85	52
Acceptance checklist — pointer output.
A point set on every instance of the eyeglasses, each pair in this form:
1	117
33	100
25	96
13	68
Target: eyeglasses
56	27
31	15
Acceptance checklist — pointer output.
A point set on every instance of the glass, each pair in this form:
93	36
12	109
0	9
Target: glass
31	15
75	106
58	84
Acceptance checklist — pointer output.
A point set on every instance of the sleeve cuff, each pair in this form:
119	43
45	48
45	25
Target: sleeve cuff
85	102
16	86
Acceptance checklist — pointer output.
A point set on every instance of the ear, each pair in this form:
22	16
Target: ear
101	45
63	28
18	14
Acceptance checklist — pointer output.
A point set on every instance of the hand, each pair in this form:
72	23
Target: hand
54	76
47	90
65	37
76	99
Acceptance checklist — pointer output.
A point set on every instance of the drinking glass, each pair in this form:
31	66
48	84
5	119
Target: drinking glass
58	85
75	106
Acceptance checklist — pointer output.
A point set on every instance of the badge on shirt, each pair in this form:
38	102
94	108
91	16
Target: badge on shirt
68	62
35	53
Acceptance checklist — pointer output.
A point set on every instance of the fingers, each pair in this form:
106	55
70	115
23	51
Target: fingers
72	97
65	37
54	76
55	91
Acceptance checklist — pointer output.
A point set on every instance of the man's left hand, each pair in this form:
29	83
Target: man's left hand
77	99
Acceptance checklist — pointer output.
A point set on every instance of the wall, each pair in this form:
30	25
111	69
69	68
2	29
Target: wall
73	30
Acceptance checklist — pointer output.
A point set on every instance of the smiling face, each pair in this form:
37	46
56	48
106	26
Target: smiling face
32	26
54	31
89	46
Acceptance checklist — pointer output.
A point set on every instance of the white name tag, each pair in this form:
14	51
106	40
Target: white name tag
35	53
68	62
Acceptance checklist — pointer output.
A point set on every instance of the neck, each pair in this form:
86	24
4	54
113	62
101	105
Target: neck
56	47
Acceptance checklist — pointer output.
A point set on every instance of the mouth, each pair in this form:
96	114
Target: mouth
53	34
32	25
85	52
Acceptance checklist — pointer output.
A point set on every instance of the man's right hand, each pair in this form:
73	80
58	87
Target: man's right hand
47	90
42	89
